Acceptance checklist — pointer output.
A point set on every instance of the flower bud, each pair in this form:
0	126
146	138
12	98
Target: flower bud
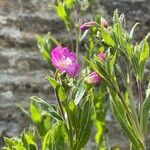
98	34
93	78
102	56
88	25
104	23
122	18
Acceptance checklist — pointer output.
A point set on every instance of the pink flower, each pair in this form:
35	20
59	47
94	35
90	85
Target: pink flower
102	56
93	78
88	25
65	61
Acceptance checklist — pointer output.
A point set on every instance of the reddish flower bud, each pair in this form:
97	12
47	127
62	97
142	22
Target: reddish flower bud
88	25
104	23
102	56
93	78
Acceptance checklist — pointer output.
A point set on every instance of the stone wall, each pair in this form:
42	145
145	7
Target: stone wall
22	69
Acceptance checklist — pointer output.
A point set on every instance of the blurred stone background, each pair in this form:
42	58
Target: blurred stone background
22	68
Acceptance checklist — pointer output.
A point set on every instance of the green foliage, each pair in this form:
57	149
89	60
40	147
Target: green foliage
121	50
39	116
45	44
145	111
27	141
101	106
56	138
44	108
81	88
68	124
107	37
84	124
139	58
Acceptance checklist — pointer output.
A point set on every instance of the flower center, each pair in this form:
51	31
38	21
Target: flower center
65	62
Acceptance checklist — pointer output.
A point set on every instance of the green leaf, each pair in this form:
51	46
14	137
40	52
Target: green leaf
143	57
47	108
61	11
29	141
85	124
45	45
80	92
53	82
61	93
70	3
73	111
35	112
40	116
145	110
132	30
111	64
9	142
59	89
121	116
14	144
135	64
107	38
115	17
56	138
145	51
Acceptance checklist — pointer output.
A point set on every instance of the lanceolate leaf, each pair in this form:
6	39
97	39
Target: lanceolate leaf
80	92
61	93
56	138
132	30
28	140
61	11
45	45
70	3
145	110
107	38
47	108
121	116
53	82
143	57
35	112
85	123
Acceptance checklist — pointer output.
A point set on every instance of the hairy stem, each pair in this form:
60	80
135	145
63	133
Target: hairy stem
60	105
140	93
58	99
77	18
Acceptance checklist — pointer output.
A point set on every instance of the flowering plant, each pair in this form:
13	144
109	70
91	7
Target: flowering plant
84	89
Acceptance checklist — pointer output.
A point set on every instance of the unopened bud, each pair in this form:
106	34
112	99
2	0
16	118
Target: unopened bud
98	34
88	25
122	18
93	78
102	56
104	23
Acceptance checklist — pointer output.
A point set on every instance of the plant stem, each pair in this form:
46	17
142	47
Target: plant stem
140	92
57	98
59	103
71	133
77	31
77	43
